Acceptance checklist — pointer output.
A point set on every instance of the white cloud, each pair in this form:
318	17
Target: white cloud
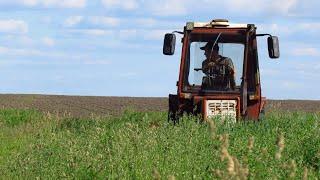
92	32
73	20
109	21
128	75
72	3
124	4
240	5
104	20
20	52
97	62
310	27
147	21
306	51
305	9
168	7
48	41
46	19
62	59
95	21
155	34
283	6
22	40
276	29
3	50
235	7
128	33
48	3
33	52
317	67
13	26
260	7
25	40
29	2
157	23
270	72
306	69
291	85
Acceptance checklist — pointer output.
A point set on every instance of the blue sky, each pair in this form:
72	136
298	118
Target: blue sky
114	48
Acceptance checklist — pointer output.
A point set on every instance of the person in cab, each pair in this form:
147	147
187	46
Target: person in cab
219	70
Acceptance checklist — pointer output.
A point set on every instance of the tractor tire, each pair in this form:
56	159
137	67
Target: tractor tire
173	115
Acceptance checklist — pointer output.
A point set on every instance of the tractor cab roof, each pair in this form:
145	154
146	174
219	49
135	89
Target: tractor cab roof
216	23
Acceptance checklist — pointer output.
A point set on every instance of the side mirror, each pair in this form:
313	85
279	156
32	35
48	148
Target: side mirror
273	47
169	44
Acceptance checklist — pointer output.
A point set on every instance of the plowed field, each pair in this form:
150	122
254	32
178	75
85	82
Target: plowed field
85	106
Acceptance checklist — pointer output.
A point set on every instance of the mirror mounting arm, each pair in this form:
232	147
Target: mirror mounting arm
263	35
179	32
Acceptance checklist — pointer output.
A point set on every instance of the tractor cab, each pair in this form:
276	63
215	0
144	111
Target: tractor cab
219	70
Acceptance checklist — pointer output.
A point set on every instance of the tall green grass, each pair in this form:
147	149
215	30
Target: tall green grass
145	146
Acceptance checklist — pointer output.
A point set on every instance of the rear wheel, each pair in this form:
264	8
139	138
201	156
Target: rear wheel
173	117
173	114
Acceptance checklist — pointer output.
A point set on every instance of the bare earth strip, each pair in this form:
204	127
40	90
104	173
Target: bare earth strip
82	106
86	106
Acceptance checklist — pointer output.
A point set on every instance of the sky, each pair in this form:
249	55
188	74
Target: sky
114	48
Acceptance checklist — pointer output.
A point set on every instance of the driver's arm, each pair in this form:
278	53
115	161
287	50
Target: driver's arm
228	63
205	66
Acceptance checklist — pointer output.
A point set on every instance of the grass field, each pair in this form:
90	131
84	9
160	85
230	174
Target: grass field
140	145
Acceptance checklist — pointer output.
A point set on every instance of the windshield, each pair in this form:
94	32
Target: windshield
214	62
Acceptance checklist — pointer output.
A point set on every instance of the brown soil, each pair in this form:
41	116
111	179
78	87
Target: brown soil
293	105
82	106
86	106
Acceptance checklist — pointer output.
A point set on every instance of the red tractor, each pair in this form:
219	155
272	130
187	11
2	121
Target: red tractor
219	70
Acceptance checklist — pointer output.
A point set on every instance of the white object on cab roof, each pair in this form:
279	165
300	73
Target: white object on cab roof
217	22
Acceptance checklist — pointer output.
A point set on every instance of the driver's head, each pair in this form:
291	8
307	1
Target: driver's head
209	49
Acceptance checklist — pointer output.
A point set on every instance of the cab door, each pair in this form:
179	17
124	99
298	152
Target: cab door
250	87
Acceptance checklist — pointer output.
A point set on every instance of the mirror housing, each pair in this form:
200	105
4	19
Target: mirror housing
273	47
169	44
